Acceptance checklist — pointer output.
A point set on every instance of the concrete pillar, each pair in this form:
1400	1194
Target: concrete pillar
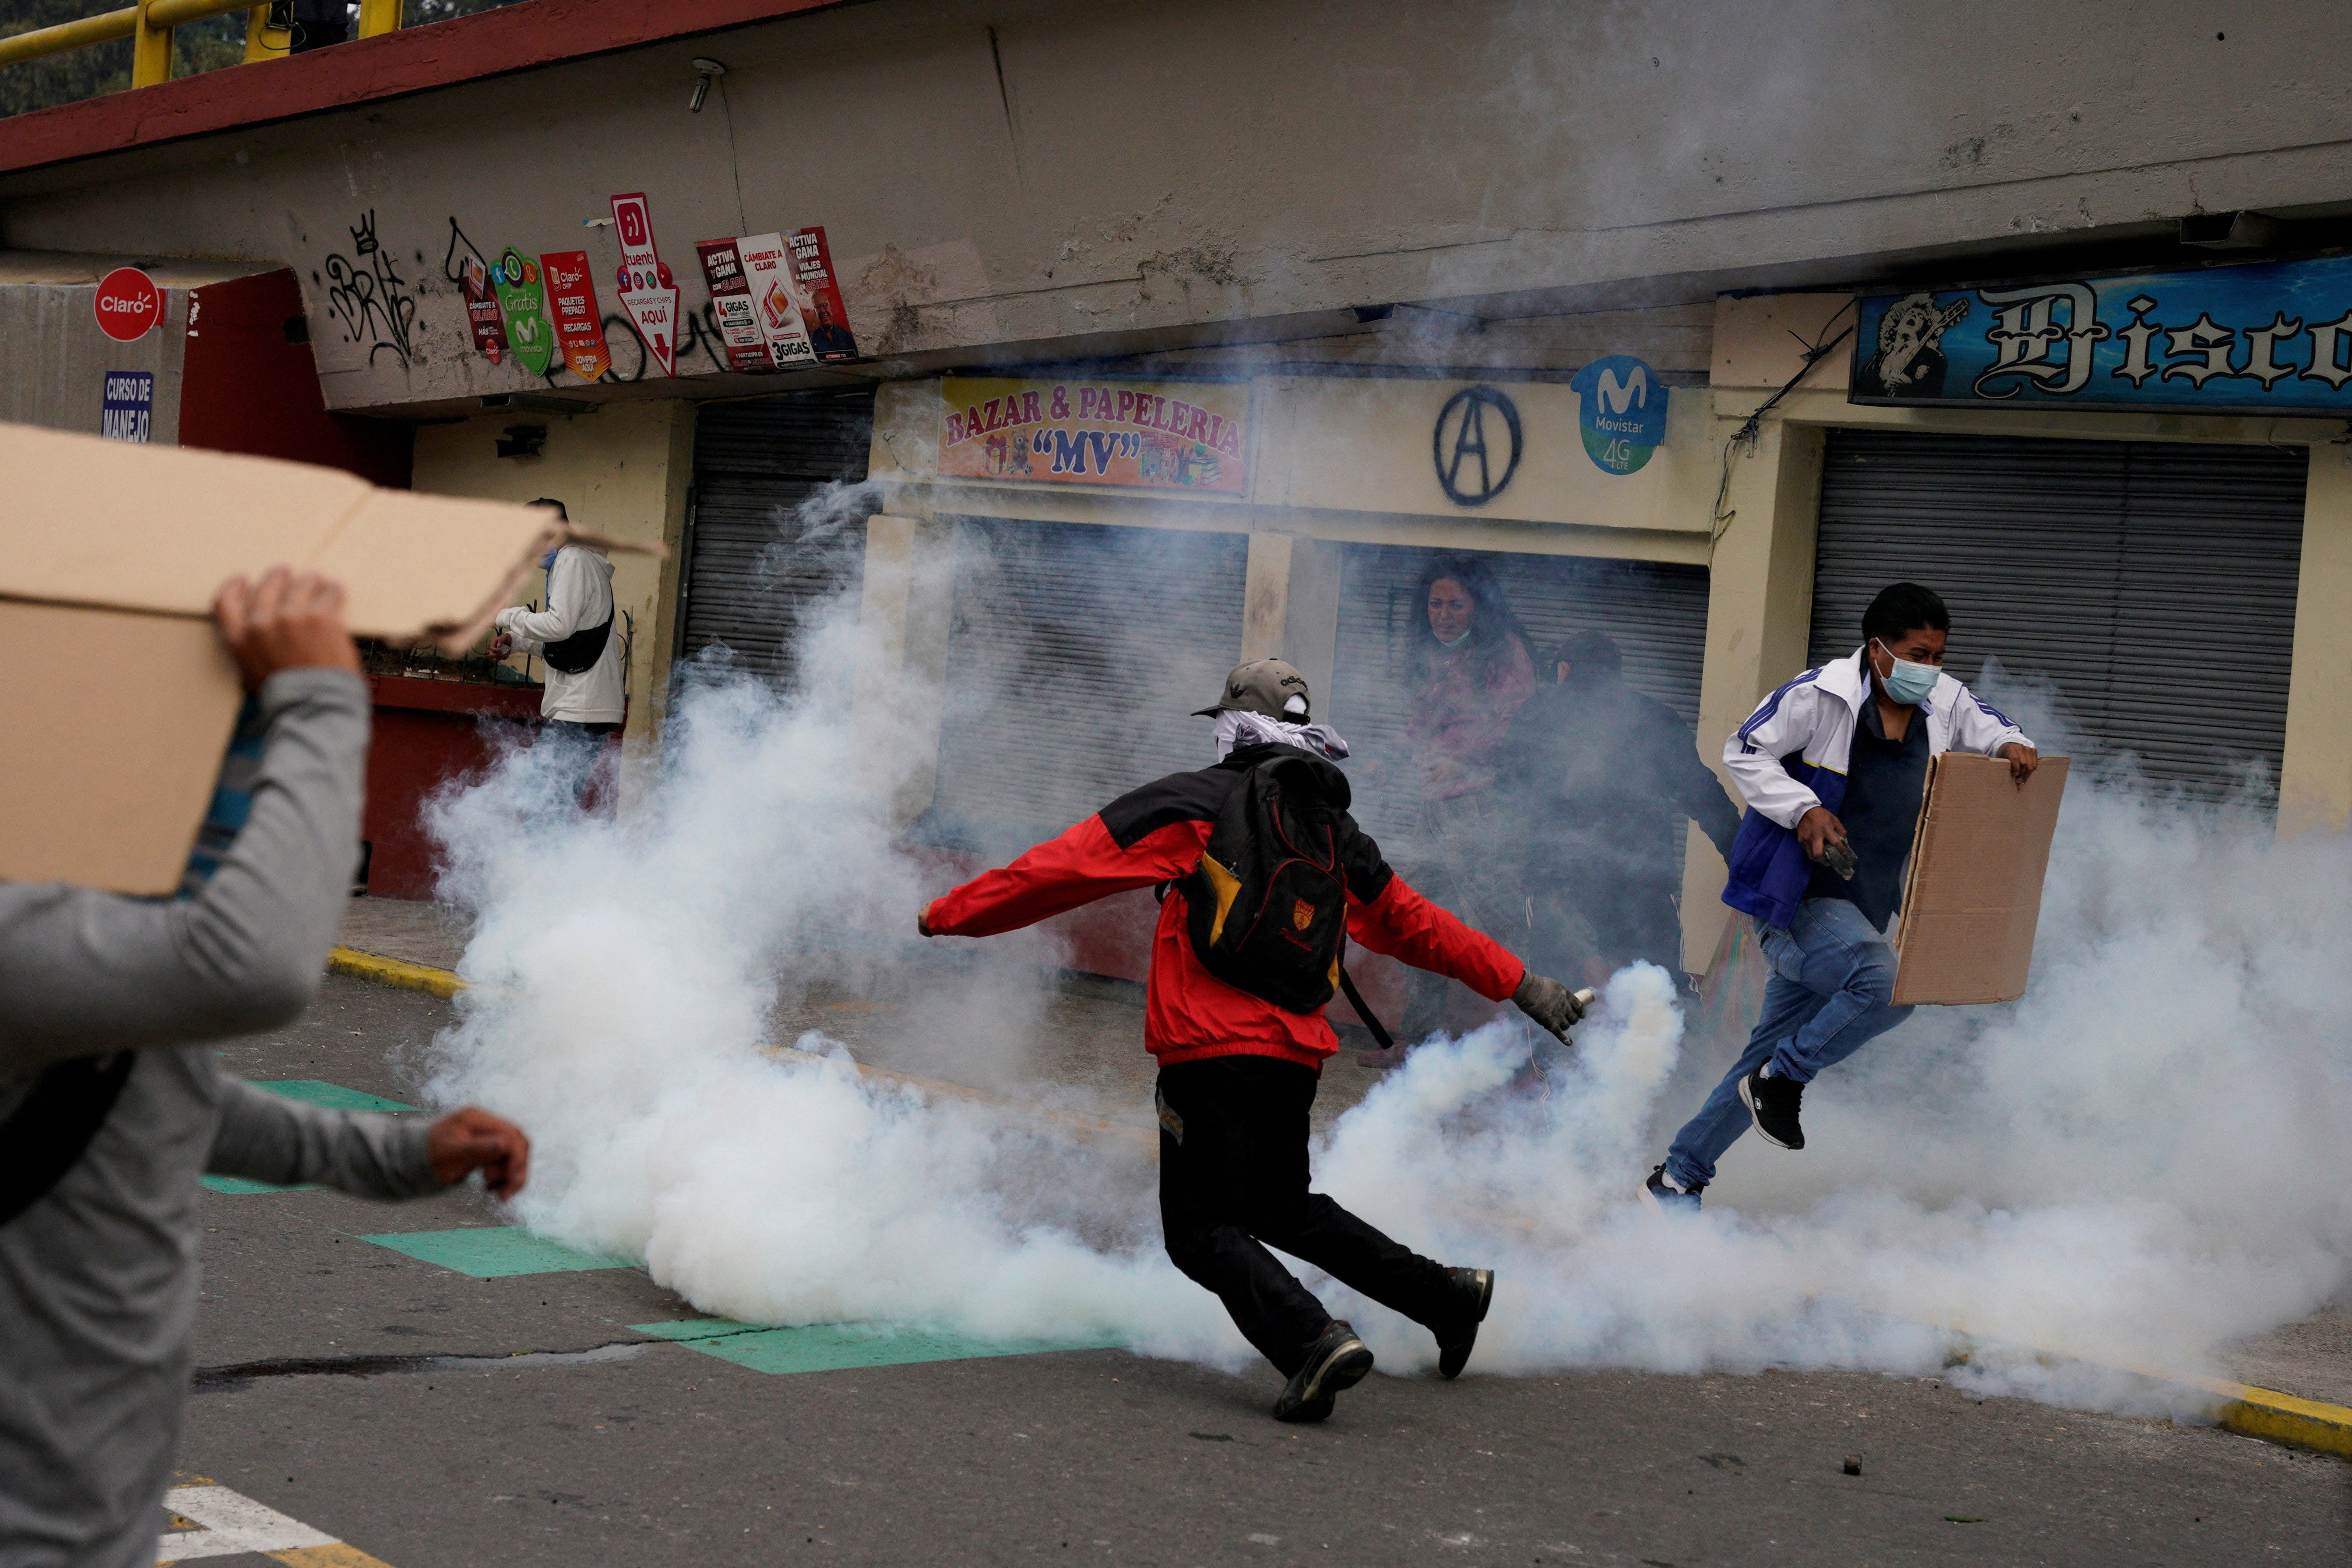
2316	773
1311	618
1290	607
905	605
1758	621
1266	597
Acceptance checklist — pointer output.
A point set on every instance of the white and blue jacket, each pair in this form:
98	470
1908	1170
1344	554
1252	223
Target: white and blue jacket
1791	757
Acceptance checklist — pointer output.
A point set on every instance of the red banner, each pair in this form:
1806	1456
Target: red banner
579	326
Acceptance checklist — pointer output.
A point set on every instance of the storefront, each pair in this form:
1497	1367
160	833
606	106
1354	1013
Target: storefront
764	545
1111	547
2146	590
2132	490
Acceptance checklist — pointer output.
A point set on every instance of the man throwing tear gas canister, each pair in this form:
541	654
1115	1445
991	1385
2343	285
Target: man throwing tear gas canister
1266	877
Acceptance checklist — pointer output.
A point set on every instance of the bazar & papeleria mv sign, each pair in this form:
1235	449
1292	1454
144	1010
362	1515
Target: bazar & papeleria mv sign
2269	338
1184	435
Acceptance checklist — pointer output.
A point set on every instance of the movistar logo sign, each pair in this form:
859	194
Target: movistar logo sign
1622	413
1617	396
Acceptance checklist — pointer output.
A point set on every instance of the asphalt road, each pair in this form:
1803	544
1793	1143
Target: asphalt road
389	1402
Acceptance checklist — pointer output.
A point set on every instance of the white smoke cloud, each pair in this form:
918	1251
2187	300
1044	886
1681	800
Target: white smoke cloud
2133	1163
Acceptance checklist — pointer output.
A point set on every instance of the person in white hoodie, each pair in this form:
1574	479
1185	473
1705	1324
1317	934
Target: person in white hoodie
1832	765
574	636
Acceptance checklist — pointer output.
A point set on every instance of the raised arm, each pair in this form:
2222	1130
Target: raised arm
85	973
1083	864
1403	924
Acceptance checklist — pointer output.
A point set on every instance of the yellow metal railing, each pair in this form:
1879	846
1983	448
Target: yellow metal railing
148	26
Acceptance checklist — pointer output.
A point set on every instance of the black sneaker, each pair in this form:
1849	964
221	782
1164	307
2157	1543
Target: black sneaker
1475	1288
1773	1103
1665	1199
1337	1361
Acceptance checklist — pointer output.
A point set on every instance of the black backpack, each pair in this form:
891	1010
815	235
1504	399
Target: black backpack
1267	906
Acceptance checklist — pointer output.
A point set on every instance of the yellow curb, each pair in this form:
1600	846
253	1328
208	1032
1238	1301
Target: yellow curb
2278	1417
392	972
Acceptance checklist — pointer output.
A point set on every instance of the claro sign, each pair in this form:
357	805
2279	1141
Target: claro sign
129	304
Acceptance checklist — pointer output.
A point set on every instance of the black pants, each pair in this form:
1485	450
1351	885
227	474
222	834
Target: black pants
1233	1182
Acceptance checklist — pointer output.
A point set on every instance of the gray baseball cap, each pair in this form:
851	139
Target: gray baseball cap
1266	687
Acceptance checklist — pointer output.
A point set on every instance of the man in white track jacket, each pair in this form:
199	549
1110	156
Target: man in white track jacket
1832	766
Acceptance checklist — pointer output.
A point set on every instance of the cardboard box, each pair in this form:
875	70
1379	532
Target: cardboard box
120	698
1974	894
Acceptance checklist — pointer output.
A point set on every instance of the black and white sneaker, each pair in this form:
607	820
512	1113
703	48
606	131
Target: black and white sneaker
1337	1361
1664	1197
1773	1103
1475	1293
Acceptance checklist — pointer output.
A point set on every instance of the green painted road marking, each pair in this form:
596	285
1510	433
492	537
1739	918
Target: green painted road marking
239	1183
838	1347
492	1252
333	1096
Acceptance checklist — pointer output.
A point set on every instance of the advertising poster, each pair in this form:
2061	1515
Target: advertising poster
2267	338
768	273
127	411
648	293
730	303
522	297
1177	435
578	327
481	303
820	296
1622	414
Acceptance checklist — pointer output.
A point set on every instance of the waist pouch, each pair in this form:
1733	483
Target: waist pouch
578	654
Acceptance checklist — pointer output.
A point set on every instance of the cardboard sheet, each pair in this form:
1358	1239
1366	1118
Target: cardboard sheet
120	697
109	774
124	527
1973	897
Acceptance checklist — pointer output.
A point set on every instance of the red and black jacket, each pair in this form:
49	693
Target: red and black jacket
1156	834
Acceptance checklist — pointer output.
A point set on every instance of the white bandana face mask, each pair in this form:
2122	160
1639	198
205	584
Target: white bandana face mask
1235	727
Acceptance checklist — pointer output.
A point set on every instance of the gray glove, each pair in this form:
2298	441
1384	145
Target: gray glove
1551	1004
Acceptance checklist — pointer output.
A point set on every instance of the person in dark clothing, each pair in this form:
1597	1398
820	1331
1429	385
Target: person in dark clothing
1832	765
1603	777
1237	1073
1470	668
319	23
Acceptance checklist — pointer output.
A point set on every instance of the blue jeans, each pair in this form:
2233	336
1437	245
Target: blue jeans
1833	975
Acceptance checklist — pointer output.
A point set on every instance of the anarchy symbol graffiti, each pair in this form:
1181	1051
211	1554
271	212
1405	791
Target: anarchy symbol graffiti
1469	468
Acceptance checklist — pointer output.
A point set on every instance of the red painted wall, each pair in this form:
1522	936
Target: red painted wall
249	387
427	734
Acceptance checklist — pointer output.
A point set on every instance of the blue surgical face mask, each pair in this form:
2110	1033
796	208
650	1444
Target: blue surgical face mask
546	562
1906	682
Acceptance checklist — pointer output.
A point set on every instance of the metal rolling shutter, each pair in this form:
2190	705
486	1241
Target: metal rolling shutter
1655	612
755	562
1074	658
2151	583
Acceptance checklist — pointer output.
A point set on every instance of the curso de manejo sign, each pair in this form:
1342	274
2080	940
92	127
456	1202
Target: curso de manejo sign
2269	338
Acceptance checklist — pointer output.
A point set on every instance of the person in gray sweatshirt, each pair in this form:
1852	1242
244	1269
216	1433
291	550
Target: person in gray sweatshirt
111	1104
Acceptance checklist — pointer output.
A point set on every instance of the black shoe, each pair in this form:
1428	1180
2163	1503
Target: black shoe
1665	1199
1475	1288
1337	1361
1773	1103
